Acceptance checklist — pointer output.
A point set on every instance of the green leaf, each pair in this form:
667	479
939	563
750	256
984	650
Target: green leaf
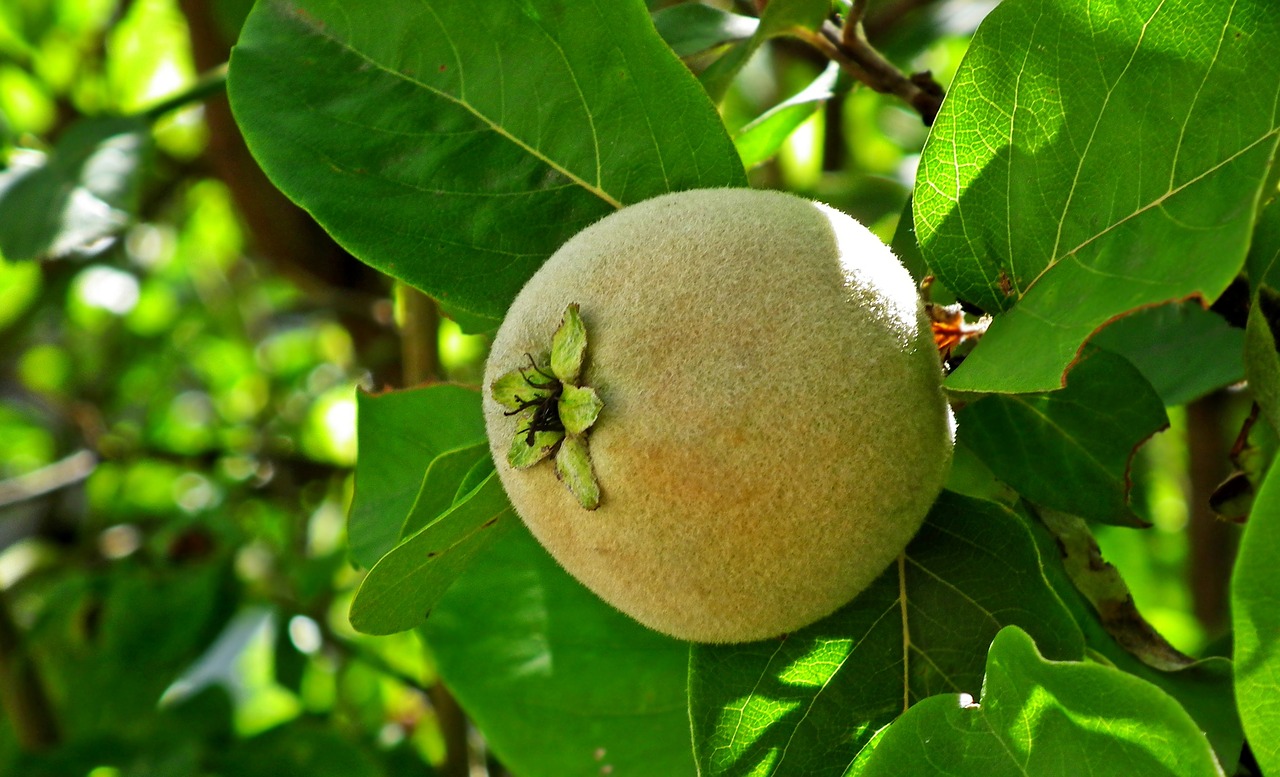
402	588
1053	191
1262	364
1255	618
760	140
780	17
569	346
300	747
525	451
691	28
456	146
1203	688
1046	718
579	408
573	466
808	704
1183	350
1069	449
86	190
440	484
560	682
399	434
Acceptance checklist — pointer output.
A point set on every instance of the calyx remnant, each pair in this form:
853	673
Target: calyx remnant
553	411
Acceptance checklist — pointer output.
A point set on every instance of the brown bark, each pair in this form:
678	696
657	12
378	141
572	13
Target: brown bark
1212	540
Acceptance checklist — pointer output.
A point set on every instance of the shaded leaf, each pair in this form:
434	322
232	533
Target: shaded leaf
579	408
455	147
560	682
1183	350
1069	449
1045	718
440	485
809	703
573	466
1262	364
760	140
399	433
403	587
1255	618
1063	186
690	28
569	346
84	191
779	18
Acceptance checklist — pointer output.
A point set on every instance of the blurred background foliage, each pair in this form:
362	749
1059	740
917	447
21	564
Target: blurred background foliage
177	415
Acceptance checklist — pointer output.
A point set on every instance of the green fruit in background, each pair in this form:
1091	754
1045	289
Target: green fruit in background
771	429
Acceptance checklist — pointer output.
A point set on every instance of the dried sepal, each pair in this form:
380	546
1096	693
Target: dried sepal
573	466
579	407
514	391
569	346
529	447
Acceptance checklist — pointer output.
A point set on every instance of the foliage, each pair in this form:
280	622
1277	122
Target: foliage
178	584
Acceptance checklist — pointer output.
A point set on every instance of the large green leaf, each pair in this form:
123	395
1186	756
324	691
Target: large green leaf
561	684
1255	611
399	434
1045	718
1262	364
1069	449
456	145
83	192
402	588
1083	154
809	703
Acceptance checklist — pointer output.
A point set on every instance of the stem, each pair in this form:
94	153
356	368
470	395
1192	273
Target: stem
22	694
212	82
419	333
849	48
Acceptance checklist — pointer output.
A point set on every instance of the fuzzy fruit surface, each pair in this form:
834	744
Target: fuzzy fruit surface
774	429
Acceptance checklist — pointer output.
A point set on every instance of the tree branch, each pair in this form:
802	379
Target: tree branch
46	480
848	46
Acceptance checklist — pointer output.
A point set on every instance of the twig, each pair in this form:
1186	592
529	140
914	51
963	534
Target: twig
848	46
26	703
46	480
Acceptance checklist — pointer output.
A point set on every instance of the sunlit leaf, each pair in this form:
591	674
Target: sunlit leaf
1069	449
1255	610
759	140
401	589
1063	186
455	146
807	704
560	682
1047	718
83	192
